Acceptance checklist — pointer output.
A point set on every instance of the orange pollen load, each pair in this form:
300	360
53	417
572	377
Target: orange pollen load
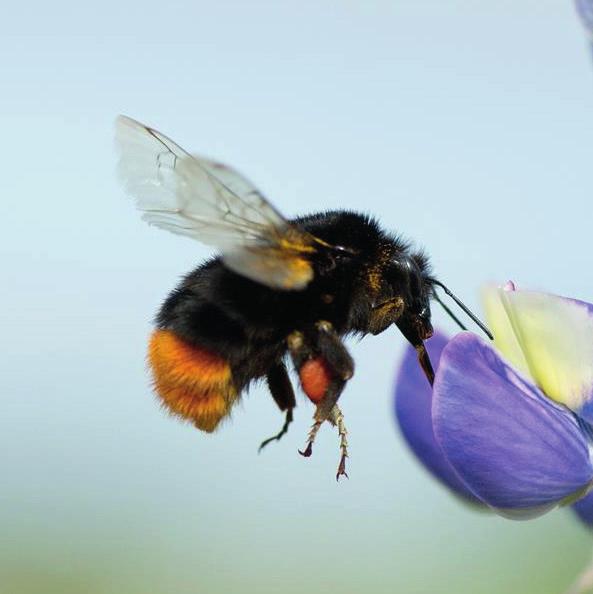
315	377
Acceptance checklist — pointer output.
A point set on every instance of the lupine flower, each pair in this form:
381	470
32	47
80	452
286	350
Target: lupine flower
585	10
584	509
512	431
413	409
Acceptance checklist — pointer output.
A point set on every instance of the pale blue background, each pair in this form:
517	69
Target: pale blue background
466	125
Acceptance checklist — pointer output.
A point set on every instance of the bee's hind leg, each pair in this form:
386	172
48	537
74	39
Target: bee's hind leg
336	418
324	366
283	394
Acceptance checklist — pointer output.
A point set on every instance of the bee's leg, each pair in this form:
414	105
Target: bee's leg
311	438
283	394
323	344
341	366
336	418
385	314
301	351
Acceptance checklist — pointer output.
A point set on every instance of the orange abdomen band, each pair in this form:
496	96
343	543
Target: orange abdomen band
192	382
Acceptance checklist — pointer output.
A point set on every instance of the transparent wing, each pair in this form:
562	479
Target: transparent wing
234	181
192	196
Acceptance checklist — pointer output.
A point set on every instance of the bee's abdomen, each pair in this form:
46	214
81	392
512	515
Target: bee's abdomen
192	382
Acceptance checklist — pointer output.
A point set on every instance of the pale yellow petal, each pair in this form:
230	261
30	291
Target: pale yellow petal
556	337
504	335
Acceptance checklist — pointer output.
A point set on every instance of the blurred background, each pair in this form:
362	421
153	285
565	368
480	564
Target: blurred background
467	126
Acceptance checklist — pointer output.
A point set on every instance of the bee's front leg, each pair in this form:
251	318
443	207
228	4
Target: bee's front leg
324	366
385	314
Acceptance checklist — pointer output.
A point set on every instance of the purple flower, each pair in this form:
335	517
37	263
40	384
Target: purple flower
511	432
584	509
585	10
413	410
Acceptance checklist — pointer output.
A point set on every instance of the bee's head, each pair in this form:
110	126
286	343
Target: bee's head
409	278
418	288
412	280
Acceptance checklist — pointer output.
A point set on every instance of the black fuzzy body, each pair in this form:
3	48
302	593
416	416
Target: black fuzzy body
248	323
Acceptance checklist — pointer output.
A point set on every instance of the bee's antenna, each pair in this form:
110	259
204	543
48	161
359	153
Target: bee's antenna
448	310
464	307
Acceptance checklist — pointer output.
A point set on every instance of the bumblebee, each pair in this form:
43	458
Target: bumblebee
280	289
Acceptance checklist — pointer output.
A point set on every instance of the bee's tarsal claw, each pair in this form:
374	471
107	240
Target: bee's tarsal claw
307	451
342	468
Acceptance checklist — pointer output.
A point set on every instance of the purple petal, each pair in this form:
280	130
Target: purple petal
584	509
514	448
585	10
413	404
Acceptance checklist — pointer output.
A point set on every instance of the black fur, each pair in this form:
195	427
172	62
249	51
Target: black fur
248	323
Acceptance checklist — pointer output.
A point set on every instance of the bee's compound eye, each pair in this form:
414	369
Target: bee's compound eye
424	313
